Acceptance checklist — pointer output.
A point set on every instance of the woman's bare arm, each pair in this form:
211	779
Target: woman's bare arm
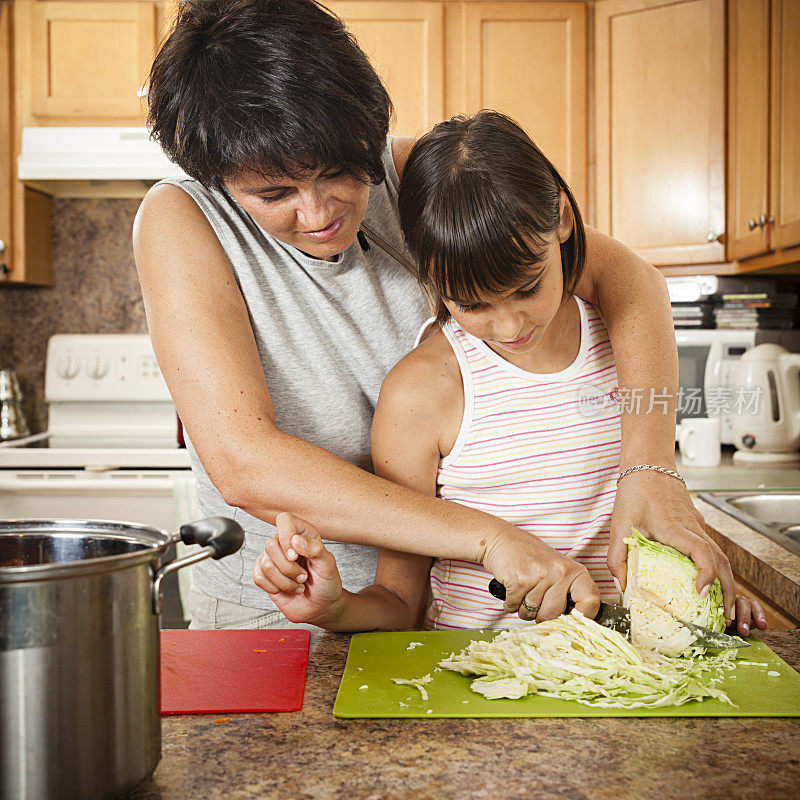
633	298
206	349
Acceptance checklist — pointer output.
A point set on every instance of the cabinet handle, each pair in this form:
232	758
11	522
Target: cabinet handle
764	220
3	266
752	223
711	236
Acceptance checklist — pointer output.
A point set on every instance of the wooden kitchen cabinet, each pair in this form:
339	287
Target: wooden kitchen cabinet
24	214
660	132
5	136
748	126
73	63
82	63
763	127
785	119
405	44
527	59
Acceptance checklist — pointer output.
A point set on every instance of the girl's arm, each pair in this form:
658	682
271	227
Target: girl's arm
405	449
396	601
633	298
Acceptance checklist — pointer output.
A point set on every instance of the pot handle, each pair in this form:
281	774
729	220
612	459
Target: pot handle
220	536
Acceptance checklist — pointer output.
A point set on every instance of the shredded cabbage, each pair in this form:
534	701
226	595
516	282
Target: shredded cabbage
661	586
417	683
574	658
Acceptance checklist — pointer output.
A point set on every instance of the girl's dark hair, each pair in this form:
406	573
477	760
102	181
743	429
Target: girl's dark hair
276	86
477	201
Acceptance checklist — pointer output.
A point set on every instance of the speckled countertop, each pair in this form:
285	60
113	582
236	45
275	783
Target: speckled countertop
309	755
771	569
730	477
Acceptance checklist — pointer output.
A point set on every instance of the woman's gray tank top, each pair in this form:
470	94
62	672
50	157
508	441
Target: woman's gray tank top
327	334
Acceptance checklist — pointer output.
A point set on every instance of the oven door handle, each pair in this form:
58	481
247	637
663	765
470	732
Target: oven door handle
80	485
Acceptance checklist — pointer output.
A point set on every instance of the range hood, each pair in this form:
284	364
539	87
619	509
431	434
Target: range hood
92	161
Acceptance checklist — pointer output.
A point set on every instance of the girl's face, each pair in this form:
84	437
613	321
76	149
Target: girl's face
514	323
320	215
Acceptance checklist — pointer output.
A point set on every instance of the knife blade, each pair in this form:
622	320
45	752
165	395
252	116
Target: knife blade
618	618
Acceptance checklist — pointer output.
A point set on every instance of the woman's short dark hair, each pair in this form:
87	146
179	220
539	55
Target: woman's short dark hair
275	86
477	201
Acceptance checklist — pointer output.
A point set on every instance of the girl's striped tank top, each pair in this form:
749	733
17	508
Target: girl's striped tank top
541	451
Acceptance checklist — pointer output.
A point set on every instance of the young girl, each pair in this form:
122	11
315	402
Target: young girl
509	408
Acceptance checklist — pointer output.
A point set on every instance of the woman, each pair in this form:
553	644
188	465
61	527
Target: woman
277	301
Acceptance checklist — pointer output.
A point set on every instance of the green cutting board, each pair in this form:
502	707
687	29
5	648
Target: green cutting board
374	659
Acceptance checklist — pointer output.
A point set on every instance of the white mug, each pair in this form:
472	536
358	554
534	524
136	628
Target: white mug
700	441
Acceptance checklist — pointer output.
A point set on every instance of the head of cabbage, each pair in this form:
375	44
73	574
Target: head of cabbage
660	584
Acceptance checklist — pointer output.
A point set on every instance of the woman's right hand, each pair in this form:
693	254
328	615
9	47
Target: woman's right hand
299	574
539	576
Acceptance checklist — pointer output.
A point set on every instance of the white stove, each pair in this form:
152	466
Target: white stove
112	447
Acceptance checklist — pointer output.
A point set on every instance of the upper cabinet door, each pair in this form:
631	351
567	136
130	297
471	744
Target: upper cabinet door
748	127
528	60
660	99
86	61
5	139
785	154
405	44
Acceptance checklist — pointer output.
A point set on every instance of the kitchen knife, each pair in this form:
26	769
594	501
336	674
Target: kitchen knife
618	618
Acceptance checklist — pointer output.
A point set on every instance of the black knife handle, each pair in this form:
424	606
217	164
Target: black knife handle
496	589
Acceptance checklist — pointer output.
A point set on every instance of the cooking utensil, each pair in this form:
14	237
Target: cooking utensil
374	659
612	616
79	622
232	671
12	419
618	618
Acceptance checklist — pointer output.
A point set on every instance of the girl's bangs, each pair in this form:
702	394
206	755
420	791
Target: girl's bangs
479	252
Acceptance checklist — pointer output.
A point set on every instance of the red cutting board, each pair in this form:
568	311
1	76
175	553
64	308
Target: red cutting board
212	672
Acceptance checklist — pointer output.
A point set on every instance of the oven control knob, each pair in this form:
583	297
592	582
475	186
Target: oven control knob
69	369
99	369
749	441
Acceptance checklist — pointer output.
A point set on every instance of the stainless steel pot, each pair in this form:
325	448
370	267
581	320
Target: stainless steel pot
79	649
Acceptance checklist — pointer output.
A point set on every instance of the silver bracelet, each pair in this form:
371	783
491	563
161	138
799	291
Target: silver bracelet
662	470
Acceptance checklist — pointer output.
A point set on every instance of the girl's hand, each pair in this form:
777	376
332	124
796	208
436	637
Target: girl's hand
748	614
660	507
299	574
538	579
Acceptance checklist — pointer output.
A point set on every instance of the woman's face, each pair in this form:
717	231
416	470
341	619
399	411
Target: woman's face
515	322
319	215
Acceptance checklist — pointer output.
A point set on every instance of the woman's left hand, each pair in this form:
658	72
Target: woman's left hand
660	507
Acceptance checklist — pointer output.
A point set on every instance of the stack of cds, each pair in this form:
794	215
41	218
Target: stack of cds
757	310
693	315
708	301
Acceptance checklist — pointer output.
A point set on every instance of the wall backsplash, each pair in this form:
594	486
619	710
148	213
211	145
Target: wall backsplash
95	290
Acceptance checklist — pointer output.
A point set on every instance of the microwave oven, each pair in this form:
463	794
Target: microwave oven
706	361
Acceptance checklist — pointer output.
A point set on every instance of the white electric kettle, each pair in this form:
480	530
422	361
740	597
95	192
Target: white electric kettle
765	406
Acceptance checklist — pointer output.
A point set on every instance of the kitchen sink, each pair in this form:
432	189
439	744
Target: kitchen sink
775	514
